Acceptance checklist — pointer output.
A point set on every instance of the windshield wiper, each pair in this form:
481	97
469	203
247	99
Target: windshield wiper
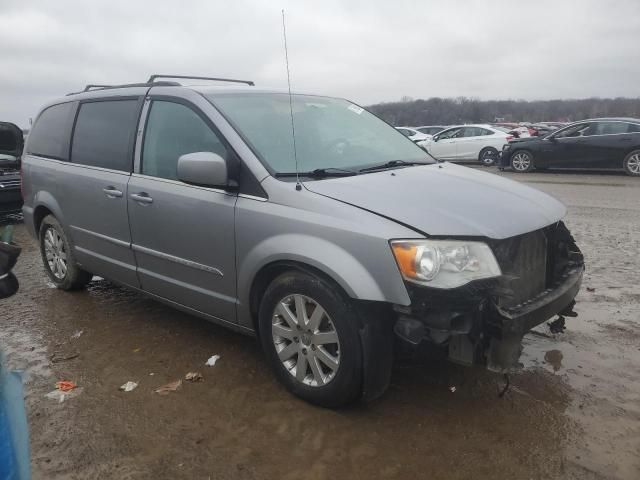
390	164
320	173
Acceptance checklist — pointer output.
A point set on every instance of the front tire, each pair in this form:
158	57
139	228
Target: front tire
488	156
309	332
632	163
58	258
521	161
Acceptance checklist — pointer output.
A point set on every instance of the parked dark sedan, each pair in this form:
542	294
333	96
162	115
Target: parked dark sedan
601	143
11	140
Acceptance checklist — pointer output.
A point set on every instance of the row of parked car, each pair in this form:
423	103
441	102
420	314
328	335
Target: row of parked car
601	143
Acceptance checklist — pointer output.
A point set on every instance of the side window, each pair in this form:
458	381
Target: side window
453	133
49	137
173	130
406	133
104	133
633	128
484	131
609	128
472	132
573	131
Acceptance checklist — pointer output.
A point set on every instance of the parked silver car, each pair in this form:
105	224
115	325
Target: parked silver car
331	246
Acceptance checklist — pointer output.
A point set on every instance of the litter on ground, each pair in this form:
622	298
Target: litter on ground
194	377
212	361
65	385
60	396
129	386
168	388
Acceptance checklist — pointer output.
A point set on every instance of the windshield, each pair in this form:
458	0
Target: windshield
329	132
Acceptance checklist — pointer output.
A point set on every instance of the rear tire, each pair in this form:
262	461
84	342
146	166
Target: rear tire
632	163
316	357
58	258
521	161
488	156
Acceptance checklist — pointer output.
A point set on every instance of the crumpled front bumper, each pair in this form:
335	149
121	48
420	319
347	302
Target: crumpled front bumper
504	351
483	322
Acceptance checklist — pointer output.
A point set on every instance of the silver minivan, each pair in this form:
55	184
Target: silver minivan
304	220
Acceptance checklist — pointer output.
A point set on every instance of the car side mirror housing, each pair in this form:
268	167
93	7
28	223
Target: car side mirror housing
203	168
435	138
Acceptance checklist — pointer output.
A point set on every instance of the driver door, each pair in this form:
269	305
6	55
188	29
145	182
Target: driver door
182	234
569	147
444	145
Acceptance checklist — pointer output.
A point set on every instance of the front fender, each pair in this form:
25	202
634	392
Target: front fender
333	260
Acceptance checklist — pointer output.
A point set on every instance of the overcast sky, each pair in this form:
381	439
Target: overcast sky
368	51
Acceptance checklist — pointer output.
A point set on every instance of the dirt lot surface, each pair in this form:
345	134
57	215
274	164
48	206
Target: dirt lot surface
573	412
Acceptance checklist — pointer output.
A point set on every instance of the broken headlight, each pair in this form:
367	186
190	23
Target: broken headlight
444	263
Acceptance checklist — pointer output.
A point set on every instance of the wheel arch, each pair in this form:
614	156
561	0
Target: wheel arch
45	204
271	271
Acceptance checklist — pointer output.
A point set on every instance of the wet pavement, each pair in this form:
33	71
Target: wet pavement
573	412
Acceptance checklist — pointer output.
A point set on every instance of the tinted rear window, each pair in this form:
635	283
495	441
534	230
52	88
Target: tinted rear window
104	133
49	137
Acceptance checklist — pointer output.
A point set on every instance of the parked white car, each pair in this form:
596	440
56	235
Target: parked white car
467	142
413	134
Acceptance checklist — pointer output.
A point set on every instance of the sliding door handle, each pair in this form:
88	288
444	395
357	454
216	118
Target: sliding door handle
142	198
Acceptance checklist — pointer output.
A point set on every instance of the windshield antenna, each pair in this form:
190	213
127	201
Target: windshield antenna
293	128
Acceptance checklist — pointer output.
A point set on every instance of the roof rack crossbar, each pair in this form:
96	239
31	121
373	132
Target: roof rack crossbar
153	77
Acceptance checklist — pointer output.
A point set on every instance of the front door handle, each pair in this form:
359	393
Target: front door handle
112	192
142	197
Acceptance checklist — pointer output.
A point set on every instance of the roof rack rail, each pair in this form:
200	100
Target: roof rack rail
153	77
92	87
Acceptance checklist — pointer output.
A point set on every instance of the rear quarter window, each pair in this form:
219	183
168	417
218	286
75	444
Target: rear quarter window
49	136
104	133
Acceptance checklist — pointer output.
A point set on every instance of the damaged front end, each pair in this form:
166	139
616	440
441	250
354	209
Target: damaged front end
483	322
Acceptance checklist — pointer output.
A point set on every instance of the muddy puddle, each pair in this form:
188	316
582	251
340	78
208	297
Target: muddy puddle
573	412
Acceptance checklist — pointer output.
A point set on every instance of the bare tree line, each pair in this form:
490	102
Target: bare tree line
460	110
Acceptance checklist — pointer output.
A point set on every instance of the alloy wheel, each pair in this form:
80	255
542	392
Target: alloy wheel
55	253
633	164
306	340
521	161
488	157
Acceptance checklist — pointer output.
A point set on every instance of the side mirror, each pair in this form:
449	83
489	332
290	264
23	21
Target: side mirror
203	168
435	138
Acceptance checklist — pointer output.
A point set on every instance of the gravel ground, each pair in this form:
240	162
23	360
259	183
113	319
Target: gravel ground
573	412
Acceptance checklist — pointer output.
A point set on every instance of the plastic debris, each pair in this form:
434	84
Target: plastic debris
77	334
212	361
168	388
591	289
65	385
452	389
60	396
129	386
194	377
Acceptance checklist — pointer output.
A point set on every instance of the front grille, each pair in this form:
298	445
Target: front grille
526	266
7	184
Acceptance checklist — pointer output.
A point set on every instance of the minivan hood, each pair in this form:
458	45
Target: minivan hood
447	200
